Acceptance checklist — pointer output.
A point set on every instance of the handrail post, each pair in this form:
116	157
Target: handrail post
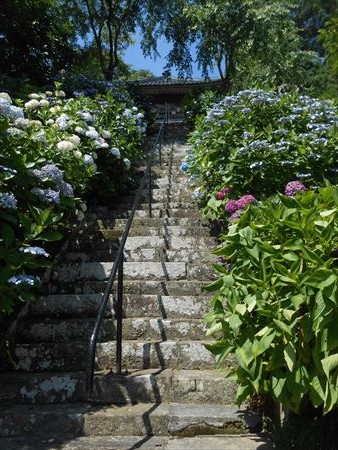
119	315
150	192
160	149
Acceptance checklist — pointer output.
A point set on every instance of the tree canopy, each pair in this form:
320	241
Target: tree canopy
248	41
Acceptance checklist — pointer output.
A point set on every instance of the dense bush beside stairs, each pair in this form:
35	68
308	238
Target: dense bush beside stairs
265	168
58	155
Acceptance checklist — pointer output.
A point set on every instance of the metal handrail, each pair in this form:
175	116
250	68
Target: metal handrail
118	269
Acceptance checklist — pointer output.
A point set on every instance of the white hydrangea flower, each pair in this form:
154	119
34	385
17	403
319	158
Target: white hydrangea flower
92	133
94	155
40	136
79	130
5	107
6	97
50	122
101	143
34	96
36	123
74	139
32	104
80	216
127	163
49	93
60	94
115	152
22	123
134	108
106	134
86	116
77	154
44	103
15	132
65	146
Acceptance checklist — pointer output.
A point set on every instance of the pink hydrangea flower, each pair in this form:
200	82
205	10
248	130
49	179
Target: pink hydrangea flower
223	193
245	200
293	187
220	195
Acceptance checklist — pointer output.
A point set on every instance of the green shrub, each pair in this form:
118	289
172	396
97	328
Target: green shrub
276	303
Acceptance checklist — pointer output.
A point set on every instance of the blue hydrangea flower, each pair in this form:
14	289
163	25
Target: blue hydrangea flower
8	201
26	280
7	169
66	189
36	251
184	166
47	195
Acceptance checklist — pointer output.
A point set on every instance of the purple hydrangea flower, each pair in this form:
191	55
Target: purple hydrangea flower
231	206
245	200
293	187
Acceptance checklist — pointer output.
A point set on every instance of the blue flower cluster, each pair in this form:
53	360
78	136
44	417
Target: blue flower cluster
8	201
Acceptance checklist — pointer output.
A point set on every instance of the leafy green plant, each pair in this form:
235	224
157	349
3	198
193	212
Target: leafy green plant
276	303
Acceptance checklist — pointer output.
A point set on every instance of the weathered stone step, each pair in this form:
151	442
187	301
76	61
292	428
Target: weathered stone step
54	330
155	287
219	442
100	271
142	254
57	356
170	242
131	270
154	306
112	234
146	386
141	420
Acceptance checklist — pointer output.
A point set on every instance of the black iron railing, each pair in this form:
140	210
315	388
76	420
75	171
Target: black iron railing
117	269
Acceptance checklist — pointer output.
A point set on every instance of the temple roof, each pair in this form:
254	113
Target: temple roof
174	85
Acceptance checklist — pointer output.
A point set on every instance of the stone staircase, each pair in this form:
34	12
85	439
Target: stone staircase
169	395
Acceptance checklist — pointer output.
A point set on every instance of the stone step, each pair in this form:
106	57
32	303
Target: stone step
100	271
255	441
155	287
142	254
133	329
148	270
113	234
142	419
146	386
170	242
154	306
136	355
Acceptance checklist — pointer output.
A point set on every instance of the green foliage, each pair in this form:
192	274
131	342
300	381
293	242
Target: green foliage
329	39
196	105
37	39
257	141
276	306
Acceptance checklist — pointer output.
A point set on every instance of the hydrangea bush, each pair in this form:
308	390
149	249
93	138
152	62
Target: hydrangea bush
276	302
257	141
54	153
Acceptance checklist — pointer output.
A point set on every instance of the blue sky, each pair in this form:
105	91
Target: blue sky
133	56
